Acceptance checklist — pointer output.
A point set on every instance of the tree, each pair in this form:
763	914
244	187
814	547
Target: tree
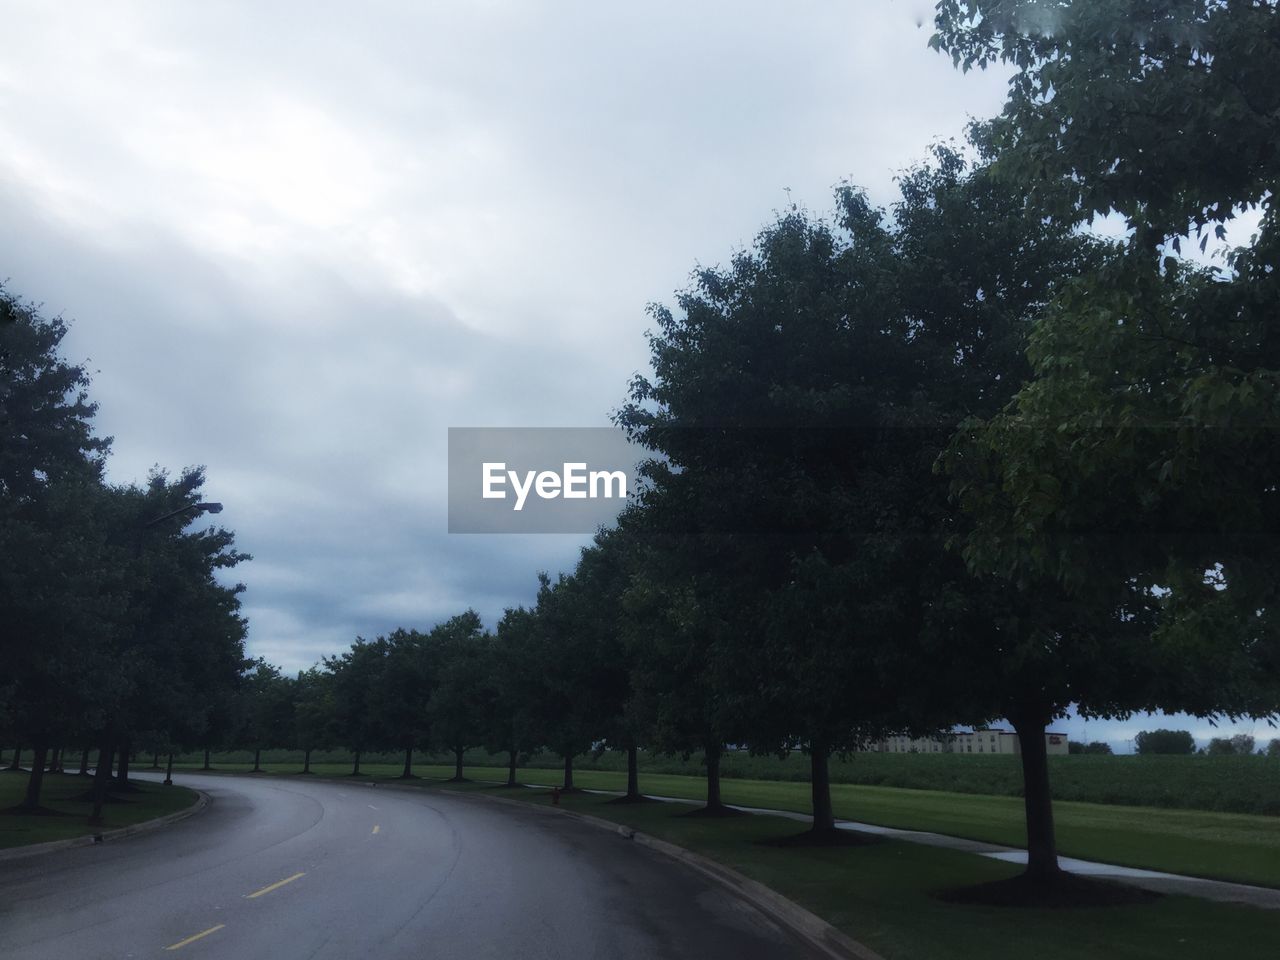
510	717
1242	744
1131	475
1165	741
54	573
1164	112
1150	344
835	363
1273	747
268	711
404	693
605	697
457	704
313	714
355	675
1098	747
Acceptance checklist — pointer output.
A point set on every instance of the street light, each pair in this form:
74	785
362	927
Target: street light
197	507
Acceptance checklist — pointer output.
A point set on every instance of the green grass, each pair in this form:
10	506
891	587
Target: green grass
881	895
1243	848
1224	784
152	800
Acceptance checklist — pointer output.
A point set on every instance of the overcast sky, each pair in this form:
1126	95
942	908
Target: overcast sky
299	241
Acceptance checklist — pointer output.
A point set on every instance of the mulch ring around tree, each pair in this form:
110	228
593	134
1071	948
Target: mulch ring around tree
1064	891
823	838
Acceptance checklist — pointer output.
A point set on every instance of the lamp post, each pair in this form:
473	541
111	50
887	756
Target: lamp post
198	508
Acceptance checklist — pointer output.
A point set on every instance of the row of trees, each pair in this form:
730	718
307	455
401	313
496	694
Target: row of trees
117	632
946	462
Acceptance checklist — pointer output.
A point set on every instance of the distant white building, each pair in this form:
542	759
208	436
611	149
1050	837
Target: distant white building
985	740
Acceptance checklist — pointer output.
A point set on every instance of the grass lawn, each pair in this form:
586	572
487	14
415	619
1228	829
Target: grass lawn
881	895
1226	846
152	800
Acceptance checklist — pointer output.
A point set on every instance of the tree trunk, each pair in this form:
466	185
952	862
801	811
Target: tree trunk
713	752
168	774
101	781
54	760
568	772
820	783
1042	851
457	764
408	764
206	760
17	758
257	761
511	769
155	760
633	772
122	777
84	762
31	801
306	760
355	767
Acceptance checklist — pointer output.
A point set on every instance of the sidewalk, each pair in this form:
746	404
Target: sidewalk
1265	897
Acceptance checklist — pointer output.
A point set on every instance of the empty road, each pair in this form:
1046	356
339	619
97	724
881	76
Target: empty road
294	870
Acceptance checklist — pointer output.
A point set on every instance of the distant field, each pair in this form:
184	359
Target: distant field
1226	784
1226	846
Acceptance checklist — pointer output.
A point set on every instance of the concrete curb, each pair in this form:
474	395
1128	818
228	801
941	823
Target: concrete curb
88	840
786	913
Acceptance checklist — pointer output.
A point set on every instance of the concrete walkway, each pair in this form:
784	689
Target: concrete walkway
1220	890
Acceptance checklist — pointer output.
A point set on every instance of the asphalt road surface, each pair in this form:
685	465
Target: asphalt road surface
294	870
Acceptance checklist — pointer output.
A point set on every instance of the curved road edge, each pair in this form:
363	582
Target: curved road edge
768	901
89	839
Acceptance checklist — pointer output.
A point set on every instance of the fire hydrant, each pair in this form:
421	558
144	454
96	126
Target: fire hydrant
555	796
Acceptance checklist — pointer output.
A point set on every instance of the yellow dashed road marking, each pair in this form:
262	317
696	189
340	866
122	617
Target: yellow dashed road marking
275	886
205	933
376	828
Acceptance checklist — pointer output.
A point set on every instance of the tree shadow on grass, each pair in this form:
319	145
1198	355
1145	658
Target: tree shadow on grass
87	797
715	812
822	838
1064	891
20	811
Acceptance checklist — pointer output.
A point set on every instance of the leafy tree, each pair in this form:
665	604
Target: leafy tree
403	695
1273	747
355	675
1132	475
1164	112
55	577
457	705
313	714
1165	741
600	580
511	711
1243	744
1221	747
1098	747
268	712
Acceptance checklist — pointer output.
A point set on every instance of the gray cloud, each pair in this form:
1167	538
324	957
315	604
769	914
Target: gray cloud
300	241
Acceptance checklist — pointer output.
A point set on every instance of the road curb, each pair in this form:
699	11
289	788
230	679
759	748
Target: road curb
89	839
787	913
